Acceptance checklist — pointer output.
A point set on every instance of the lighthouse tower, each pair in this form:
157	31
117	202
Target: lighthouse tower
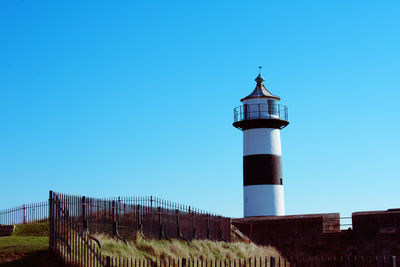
261	119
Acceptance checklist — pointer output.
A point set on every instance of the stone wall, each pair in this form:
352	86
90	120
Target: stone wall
6	230
378	232
373	233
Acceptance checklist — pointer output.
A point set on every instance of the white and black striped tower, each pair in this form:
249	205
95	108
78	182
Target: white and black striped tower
261	118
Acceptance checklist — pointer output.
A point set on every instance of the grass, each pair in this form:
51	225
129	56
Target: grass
26	238
23	244
33	229
28	246
26	241
153	249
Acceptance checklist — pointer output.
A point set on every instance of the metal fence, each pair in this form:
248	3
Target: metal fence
154	217
74	221
26	213
331	261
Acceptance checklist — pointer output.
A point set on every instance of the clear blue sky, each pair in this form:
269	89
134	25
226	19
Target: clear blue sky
134	98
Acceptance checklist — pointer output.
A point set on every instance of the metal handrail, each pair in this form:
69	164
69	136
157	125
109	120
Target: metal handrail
260	111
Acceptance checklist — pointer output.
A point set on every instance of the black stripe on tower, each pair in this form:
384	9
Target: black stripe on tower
262	169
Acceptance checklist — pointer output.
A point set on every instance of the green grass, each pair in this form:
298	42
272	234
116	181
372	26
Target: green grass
26	238
25	244
33	229
28	241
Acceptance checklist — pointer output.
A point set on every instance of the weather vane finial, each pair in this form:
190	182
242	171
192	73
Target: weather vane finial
259	69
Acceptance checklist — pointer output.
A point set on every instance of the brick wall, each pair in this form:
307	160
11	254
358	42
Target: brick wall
378	232
292	235
373	233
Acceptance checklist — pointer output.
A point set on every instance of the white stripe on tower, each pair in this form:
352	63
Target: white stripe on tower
262	172
262	141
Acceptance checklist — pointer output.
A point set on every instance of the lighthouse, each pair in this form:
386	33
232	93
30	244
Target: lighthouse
261	119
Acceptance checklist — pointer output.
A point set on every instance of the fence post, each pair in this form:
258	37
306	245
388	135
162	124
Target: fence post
84	222
23	208
105	212
118	208
139	219
220	229
114	222
108	261
160	223
178	228
208	226
51	220
194	224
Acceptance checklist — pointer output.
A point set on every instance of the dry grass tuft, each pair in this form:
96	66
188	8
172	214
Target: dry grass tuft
152	249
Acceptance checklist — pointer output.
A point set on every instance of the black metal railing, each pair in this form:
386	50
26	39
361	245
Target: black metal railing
26	213
260	111
75	220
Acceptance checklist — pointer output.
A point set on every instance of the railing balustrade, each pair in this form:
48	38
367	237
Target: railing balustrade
260	111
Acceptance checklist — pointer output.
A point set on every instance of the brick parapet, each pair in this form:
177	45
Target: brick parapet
373	233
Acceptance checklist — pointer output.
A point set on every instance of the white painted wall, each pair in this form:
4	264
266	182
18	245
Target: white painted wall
263	200
262	141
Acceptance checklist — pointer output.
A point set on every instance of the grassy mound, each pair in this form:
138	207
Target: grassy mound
153	249
32	229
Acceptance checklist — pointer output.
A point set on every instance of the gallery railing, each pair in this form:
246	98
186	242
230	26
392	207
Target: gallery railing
260	111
